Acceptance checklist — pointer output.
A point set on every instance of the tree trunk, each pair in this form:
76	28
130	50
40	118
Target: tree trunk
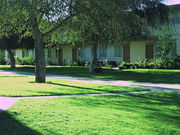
40	64
93	65
11	58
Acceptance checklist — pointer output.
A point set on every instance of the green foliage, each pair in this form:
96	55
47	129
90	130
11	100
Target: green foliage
74	64
165	44
30	60
13	26
102	24
175	62
2	58
92	22
9	42
157	63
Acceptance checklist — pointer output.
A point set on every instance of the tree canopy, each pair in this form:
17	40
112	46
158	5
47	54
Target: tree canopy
41	18
109	22
89	21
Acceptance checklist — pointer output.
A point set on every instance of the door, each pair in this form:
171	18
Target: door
149	51
126	53
60	56
74	54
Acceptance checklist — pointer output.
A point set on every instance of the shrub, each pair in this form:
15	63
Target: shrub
157	63
125	65
98	67
74	64
30	60
2	59
175	62
80	63
112	63
17	59
160	63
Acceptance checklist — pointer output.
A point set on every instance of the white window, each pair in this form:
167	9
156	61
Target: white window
25	53
102	51
111	51
85	53
115	51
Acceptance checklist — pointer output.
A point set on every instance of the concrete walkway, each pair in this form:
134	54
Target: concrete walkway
6	102
151	86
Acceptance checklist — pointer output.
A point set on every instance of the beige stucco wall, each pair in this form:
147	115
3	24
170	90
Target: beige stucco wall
137	50
67	54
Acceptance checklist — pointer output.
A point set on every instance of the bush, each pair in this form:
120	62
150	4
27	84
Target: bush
2	59
74	64
125	65
80	63
157	63
98	67
30	60
160	63
111	63
175	62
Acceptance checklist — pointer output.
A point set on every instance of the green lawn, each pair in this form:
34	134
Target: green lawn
24	86
136	75
146	114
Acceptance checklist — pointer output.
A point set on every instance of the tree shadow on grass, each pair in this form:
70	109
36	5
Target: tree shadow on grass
160	98
93	89
77	87
11	126
151	76
160	107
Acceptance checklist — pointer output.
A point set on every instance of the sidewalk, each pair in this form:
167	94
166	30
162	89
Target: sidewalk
152	86
7	102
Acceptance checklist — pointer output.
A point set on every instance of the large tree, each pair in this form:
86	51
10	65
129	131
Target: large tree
9	43
109	22
103	21
14	35
11	30
44	17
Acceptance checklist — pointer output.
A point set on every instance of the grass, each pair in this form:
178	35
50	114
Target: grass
136	75
146	114
24	86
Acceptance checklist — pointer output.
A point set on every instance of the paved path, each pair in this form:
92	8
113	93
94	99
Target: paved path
151	86
6	102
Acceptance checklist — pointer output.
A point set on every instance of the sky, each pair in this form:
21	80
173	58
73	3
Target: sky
172	2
